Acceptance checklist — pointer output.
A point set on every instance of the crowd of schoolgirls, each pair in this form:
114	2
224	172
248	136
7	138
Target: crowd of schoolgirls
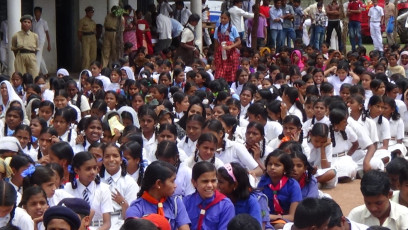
199	145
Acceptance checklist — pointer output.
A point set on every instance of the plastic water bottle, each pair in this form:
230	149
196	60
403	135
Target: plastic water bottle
223	51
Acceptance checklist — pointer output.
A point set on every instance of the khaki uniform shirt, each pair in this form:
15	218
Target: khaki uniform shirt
111	22
24	40
389	11
87	25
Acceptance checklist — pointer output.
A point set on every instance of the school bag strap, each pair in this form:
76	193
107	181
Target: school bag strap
217	198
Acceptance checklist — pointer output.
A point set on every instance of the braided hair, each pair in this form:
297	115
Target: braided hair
8	198
123	164
167	150
135	151
205	137
233	102
395	115
157	170
374	100
78	160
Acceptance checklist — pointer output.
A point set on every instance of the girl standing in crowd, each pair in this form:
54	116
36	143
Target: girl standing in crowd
226	40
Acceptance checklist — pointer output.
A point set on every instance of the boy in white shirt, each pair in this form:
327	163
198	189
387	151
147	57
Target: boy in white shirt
376	15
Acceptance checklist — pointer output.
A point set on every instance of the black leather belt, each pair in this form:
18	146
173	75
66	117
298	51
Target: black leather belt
110	30
88	33
23	51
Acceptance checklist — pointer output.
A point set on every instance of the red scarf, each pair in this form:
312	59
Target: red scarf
217	198
276	189
153	200
302	180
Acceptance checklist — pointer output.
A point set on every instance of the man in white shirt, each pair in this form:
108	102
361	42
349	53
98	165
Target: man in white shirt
237	17
3	46
376	15
163	7
181	13
164	28
40	27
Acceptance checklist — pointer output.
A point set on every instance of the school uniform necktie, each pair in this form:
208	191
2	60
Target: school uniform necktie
86	195
110	180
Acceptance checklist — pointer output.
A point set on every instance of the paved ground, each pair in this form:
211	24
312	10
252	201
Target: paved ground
347	195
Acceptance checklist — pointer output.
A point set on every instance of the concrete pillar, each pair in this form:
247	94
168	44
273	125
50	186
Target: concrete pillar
112	3
14	25
196	7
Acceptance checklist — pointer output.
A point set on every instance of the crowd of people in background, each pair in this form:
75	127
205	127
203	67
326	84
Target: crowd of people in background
163	135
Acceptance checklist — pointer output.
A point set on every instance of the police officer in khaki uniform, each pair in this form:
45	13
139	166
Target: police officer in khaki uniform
24	44
86	34
109	39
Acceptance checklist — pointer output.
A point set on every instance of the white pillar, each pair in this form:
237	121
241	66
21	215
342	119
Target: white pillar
196	7
14	25
112	3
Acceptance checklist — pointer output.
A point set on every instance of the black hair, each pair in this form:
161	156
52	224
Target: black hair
326	87
243	189
63	150
292	119
391	102
56	168
78	160
138	223
49	130
311	212
210	137
374	100
258	108
8	197
100	105
216	126
19	111
395	166
168	150
146	110
29	192
157	170
135	150
319	130
336	116
230	121
293	94
308	166
169	127
197	118
375	183
124	162
40	176
244	221
260	128
26	128
19	161
201	168
284	158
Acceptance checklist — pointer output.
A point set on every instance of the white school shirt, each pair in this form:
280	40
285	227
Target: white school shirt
189	147
237	87
105	80
165	26
293	110
79	116
113	86
370	128
21	219
315	158
18	190
344	145
40	27
81	147
375	13
307	126
237	152
150	146
190	162
244	110
99	197
164	8
396	130
84	103
402	108
48	95
272	130
59	195
183	181
335	81
383	129
237	17
31	152
64	137
125	185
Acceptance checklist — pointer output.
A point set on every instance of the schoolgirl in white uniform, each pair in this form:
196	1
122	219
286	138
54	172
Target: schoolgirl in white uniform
148	121
257	112
123	188
396	126
375	106
290	98
344	142
246	96
194	126
206	148
62	124
320	110
89	187
342	76
92	133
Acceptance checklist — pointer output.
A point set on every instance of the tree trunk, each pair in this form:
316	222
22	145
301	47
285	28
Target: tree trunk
344	19
255	23
395	33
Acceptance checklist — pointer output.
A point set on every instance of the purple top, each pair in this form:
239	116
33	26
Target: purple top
311	189
141	207
216	217
261	26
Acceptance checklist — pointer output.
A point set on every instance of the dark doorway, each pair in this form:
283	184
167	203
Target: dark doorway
67	40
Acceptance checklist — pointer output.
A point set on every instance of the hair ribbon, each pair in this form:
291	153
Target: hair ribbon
28	171
230	172
71	169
